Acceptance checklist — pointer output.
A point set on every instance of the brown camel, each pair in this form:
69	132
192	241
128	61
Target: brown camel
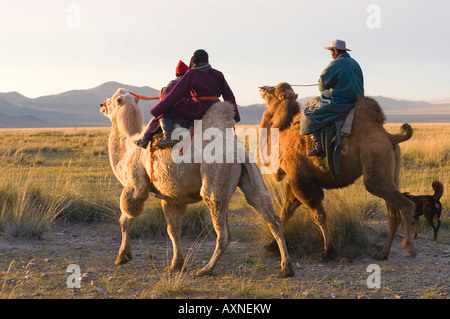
370	151
184	183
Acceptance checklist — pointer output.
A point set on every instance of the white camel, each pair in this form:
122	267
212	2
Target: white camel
184	183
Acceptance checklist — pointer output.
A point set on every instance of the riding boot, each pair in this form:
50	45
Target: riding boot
318	150
166	124
145	139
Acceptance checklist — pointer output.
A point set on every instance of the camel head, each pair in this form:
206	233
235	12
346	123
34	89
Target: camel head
284	91
122	108
267	92
112	105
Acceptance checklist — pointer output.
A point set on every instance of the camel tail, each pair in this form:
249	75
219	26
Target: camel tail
406	132
438	190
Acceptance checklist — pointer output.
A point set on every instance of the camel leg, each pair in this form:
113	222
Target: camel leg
289	206
320	218
291	203
173	214
395	221
381	173
217	194
259	198
312	196
219	217
131	206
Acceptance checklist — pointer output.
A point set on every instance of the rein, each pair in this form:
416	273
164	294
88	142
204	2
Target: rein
141	97
304	85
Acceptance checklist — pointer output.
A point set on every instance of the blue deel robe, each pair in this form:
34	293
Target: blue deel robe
339	84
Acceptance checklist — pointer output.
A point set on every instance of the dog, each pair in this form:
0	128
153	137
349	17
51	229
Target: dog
429	206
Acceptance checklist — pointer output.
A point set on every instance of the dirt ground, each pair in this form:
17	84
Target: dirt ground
39	269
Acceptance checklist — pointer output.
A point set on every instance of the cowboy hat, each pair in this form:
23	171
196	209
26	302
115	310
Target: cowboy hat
338	45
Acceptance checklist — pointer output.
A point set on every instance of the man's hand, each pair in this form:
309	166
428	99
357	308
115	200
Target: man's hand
312	102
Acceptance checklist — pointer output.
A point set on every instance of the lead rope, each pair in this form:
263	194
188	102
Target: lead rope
304	85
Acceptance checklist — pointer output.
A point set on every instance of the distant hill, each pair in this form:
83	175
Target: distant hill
81	108
26	121
68	109
396	111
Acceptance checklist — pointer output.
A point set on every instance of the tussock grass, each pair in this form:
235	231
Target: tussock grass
428	148
152	222
347	211
28	208
48	174
67	173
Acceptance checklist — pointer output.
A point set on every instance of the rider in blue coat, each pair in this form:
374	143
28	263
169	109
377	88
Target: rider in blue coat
339	84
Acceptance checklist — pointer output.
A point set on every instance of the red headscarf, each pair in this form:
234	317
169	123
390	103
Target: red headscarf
181	68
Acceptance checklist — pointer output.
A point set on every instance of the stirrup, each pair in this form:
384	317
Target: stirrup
317	152
166	143
143	143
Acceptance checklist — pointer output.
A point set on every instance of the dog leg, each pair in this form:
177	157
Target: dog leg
438	224
416	226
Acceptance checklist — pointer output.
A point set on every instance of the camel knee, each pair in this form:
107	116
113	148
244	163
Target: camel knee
132	201
125	222
223	241
223	233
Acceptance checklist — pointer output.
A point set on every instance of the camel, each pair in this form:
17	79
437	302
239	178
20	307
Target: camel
179	184
370	151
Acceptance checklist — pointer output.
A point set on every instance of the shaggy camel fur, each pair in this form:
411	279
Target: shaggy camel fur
181	184
369	151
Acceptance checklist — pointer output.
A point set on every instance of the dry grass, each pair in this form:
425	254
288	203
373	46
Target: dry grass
57	177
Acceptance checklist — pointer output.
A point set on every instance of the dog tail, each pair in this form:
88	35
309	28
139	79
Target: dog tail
406	132
438	190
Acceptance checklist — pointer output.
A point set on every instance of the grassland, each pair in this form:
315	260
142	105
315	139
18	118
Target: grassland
59	206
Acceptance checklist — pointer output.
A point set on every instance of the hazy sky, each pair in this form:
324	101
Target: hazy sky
52	46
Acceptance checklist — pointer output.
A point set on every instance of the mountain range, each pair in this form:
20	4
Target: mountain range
80	108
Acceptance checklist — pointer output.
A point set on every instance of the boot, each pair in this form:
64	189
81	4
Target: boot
318	150
145	139
166	124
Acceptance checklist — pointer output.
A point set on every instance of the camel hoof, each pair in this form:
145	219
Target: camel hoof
410	248
202	272
174	268
171	269
329	255
286	272
123	259
379	256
